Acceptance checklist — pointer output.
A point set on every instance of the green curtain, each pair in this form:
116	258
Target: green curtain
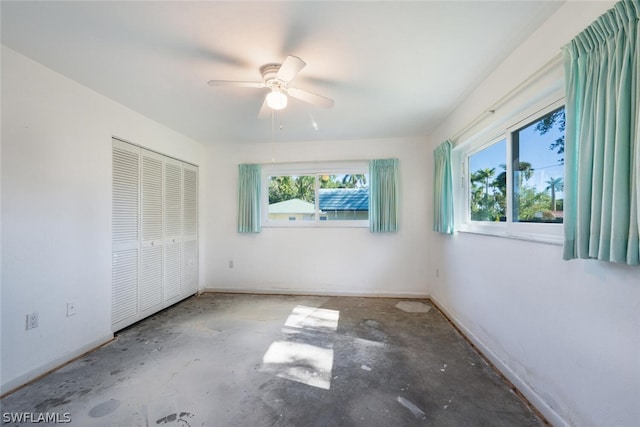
442	189
383	195
249	189
602	153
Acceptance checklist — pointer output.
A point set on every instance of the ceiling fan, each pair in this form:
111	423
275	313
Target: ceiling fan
277	77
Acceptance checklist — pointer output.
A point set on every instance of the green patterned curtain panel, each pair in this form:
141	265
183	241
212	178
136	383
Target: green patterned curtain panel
602	152
249	186
383	195
442	189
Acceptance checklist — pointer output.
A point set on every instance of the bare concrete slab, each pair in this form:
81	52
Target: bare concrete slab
258	360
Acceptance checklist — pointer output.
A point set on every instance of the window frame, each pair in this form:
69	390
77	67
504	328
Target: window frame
502	129
310	169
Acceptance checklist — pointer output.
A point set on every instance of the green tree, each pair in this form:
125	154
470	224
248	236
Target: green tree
329	181
501	180
525	171
305	188
554	184
282	188
354	180
500	184
484	205
484	176
532	205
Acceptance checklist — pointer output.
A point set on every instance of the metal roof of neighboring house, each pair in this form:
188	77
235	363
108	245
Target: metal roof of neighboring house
344	199
293	206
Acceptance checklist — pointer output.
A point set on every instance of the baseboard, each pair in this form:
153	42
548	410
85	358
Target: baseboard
315	292
523	387
28	377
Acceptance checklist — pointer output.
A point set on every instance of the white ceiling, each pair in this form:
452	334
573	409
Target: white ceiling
395	69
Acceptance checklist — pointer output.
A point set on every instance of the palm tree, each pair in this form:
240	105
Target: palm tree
501	180
484	176
354	180
304	187
500	184
554	184
525	170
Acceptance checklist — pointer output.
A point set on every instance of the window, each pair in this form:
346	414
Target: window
513	183
328	194
538	169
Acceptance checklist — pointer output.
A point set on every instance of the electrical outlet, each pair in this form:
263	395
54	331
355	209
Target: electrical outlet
231	263
71	309
32	320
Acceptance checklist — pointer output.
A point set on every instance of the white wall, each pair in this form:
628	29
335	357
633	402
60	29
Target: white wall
566	333
56	211
314	260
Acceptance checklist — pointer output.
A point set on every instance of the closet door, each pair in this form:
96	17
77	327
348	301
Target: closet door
151	220
172	230
154	232
190	229
124	233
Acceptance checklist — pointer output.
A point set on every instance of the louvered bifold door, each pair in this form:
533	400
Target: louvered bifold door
190	229
172	230
152	241
124	234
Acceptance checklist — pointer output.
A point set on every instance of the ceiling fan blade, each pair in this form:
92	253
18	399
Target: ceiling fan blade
230	83
311	98
290	68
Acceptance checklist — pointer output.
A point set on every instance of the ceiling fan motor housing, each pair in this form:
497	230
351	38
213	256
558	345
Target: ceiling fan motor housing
269	75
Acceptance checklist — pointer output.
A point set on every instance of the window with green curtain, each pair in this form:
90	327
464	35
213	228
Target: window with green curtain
442	189
249	189
383	195
602	152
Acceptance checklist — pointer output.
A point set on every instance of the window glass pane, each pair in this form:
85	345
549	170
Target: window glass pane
488	183
344	197
538	170
292	198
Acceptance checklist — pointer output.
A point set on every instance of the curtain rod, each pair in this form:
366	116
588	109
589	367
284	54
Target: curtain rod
553	62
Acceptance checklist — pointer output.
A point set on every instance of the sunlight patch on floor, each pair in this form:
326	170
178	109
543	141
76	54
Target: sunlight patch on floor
304	363
305	355
313	318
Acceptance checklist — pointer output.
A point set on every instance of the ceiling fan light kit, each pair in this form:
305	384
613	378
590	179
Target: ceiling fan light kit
277	77
276	100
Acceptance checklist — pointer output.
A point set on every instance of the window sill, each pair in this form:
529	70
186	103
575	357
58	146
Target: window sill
317	224
548	239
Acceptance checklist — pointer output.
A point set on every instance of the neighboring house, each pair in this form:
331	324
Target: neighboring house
557	216
550	216
344	203
334	204
292	210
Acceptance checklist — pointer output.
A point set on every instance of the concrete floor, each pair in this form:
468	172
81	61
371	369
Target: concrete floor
255	360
